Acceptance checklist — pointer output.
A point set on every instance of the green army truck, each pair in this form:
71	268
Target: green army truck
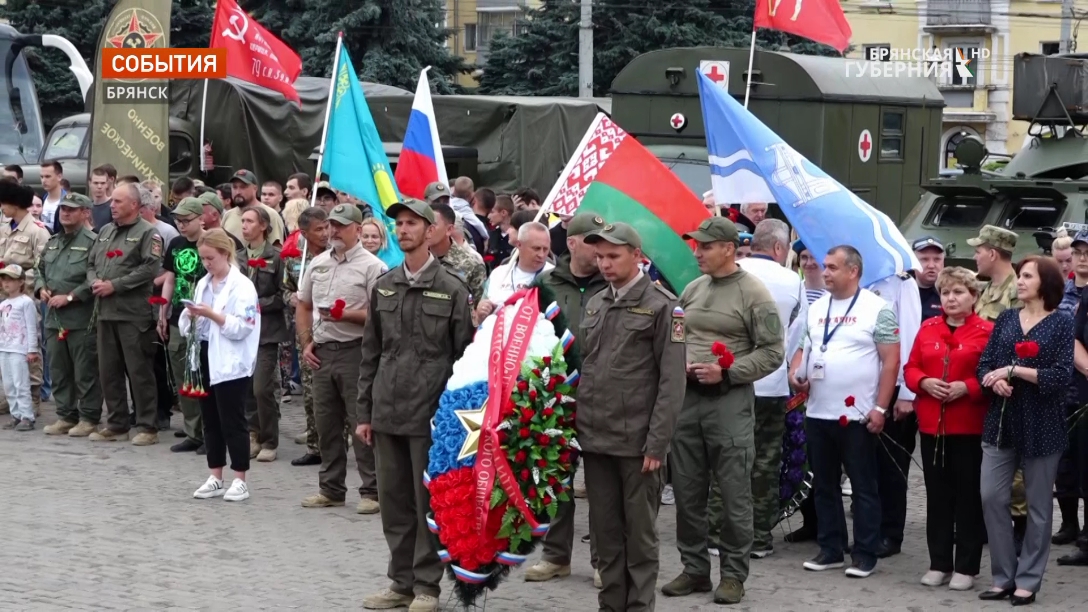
1043	187
877	136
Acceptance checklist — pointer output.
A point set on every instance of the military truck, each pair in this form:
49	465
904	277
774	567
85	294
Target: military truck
1043	187
877	136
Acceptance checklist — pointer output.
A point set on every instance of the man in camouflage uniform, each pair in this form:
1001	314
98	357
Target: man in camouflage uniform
313	225
994	247
457	260
61	282
22	240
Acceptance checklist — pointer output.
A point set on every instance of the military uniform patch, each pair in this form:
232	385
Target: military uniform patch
773	323
386	292
641	311
678	324
156	245
436	295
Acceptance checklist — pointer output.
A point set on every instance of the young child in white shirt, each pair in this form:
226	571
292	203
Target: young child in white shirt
18	346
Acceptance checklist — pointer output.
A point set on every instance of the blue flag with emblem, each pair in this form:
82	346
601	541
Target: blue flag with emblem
750	163
354	157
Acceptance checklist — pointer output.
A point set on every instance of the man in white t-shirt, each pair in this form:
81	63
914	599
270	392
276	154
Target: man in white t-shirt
848	367
534	244
770	246
52	173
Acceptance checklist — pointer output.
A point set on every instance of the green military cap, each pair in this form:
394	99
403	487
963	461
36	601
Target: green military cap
189	206
715	229
76	200
615	233
584	223
420	208
211	199
436	190
346	214
245	176
995	238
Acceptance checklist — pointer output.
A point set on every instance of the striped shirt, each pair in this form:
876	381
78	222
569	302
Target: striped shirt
814	294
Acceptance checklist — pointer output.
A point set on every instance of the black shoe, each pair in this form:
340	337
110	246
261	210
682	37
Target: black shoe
185	446
802	534
1023	601
179	434
307	459
989	595
203	450
889	549
162	424
861	569
823	561
1066	535
1078	558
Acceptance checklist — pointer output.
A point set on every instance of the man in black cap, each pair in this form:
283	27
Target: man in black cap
930	254
243	188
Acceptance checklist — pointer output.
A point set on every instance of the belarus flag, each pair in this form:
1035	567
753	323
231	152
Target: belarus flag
421	156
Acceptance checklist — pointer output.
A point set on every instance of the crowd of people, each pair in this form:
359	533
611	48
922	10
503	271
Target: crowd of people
223	302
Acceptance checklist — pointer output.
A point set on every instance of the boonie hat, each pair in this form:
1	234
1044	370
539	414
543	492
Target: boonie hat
12	271
418	207
584	223
346	214
436	190
245	176
715	229
211	198
189	206
76	200
995	238
616	233
926	242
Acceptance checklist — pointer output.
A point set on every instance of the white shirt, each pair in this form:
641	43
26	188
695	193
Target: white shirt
49	210
788	291
506	279
851	364
18	325
232	347
906	302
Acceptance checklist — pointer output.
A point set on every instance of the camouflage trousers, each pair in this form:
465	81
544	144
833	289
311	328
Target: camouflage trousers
313	445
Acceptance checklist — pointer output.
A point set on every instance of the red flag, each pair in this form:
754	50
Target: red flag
253	53
819	20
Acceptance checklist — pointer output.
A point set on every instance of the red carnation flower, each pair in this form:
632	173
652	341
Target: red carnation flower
718	349
110	254
523	432
501	434
523	386
532	493
726	360
521	457
156	300
527	415
551	384
256	263
541	463
62	334
532	395
552	480
290	252
548	412
564	457
525	474
849	401
547	360
1027	350
536	372
560	378
544	439
547	500
558	396
562	441
843	421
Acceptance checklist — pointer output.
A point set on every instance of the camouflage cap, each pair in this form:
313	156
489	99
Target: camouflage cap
324	186
995	238
76	200
584	223
12	271
616	233
245	176
1082	236
715	229
210	198
189	206
419	208
346	214
436	190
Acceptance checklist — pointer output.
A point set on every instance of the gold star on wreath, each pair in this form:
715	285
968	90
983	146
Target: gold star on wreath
472	421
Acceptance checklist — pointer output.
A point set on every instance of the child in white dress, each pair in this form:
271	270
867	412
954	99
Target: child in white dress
18	346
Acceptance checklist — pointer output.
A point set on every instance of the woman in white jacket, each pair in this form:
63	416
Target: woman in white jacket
224	348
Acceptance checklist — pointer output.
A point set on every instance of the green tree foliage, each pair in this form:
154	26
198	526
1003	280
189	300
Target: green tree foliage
543	58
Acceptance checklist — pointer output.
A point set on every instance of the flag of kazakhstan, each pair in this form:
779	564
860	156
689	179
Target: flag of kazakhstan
354	157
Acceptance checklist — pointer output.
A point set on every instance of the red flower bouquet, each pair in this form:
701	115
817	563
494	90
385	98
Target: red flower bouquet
724	355
257	263
290	252
336	311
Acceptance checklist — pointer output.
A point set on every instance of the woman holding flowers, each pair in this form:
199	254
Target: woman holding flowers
1026	366
951	407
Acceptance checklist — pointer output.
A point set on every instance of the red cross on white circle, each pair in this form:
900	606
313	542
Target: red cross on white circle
714	75
865	146
677	121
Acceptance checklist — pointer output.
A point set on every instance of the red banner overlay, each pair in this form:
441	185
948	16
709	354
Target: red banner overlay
503	366
164	63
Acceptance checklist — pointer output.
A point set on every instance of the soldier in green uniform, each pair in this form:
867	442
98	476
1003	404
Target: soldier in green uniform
994	247
313	225
123	265
454	257
715	431
61	283
629	396
574	280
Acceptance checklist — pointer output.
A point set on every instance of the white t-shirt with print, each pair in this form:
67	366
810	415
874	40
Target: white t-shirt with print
507	279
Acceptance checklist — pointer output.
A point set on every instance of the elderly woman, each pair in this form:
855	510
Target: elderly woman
951	407
1026	366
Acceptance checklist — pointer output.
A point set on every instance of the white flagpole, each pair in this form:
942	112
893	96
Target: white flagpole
324	135
200	145
751	56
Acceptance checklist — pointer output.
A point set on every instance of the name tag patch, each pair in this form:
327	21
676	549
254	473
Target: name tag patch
436	295
74	248
641	311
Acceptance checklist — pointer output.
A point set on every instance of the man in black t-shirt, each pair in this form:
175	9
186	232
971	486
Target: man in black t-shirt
930	253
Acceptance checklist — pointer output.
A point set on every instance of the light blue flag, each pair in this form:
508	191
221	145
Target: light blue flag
354	157
750	163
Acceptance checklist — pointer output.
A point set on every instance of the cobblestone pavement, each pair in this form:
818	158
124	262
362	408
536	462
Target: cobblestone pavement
109	526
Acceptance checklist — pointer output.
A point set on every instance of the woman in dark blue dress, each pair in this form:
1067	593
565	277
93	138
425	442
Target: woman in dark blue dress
1026	366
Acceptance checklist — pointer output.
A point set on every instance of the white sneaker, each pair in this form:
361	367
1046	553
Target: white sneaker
961	582
213	487
667	496
933	578
238	491
847	489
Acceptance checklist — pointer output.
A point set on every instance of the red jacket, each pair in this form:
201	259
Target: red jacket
934	343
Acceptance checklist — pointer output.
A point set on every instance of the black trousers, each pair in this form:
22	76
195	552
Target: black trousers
1072	482
893	466
954	524
224	415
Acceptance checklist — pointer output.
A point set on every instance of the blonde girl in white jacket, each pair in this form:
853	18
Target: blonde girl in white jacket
223	345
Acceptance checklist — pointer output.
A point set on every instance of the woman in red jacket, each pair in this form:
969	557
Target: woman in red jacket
951	407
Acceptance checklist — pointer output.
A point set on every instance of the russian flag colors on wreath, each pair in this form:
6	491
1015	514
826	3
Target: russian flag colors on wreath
503	452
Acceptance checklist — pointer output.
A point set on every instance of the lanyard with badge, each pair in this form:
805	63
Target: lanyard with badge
818	367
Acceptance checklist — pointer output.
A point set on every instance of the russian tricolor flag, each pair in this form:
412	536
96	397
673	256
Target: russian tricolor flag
421	160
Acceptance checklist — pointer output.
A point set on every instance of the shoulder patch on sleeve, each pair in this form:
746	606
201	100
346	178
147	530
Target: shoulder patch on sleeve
903	275
156	245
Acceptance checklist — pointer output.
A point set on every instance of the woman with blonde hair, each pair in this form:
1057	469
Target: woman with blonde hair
223	323
372	235
291	211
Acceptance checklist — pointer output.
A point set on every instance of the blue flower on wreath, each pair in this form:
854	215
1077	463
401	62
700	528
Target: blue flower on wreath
449	435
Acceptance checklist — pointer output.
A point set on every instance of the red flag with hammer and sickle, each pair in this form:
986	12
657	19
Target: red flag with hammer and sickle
819	20
253	53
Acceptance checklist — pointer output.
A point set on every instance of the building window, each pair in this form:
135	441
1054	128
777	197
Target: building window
970	52
891	135
1050	48
877	53
492	22
470	37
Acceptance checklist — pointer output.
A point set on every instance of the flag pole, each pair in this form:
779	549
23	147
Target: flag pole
324	135
203	110
751	56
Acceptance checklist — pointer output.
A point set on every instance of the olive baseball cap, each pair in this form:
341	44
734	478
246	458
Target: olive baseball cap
584	223
418	207
12	271
615	233
995	238
245	176
76	200
436	190
210	198
715	229
189	206
346	214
